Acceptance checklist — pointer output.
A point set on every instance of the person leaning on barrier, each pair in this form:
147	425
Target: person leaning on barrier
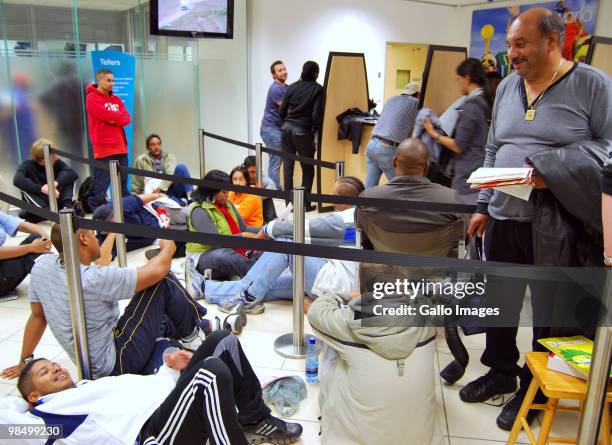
159	307
425	232
16	262
215	399
379	385
249	206
555	116
269	211
31	179
302	115
211	212
606	212
160	161
267	280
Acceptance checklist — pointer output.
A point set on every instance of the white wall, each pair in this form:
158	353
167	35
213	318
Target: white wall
296	31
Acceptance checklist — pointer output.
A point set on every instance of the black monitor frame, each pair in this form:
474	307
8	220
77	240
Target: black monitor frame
211	35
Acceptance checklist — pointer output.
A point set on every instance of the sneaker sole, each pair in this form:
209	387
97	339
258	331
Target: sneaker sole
261	439
488	398
253	311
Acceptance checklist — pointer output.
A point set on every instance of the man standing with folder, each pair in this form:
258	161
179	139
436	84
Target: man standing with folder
549	108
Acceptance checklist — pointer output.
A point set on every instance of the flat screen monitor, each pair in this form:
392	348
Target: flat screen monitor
193	18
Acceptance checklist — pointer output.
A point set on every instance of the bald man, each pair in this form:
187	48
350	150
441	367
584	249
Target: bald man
410	163
556	116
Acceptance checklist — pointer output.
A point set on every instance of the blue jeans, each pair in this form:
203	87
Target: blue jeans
271	137
267	280
178	190
101	181
379	160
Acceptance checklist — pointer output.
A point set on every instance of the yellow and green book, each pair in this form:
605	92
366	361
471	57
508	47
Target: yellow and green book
576	351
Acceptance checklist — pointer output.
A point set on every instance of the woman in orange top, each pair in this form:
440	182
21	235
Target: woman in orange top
249	206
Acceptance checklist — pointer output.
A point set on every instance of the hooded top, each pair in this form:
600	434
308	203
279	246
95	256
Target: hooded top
106	117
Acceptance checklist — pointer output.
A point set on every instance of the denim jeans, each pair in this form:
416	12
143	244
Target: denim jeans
178	191
267	280
271	137
379	160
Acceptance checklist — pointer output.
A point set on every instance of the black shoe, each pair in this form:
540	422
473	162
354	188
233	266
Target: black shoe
310	207
510	410
491	384
272	430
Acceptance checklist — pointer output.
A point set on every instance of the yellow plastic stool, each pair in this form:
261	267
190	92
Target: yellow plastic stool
555	385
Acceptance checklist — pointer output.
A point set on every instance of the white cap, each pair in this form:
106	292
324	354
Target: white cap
412	88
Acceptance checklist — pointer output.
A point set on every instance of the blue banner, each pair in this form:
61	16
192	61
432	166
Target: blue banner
123	67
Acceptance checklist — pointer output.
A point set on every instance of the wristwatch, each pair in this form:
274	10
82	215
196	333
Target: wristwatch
607	260
27	359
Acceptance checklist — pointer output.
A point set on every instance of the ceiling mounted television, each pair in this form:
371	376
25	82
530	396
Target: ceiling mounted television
193	18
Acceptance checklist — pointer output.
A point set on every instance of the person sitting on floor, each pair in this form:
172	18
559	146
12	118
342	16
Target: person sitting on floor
267	280
211	212
159	307
149	210
16	262
378	371
160	161
249	206
269	211
215	399
31	179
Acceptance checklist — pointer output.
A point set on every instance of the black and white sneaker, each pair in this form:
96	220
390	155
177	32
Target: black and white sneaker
235	321
272	430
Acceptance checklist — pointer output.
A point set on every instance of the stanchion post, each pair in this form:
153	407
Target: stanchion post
358	239
202	157
72	263
339	169
293	345
50	178
597	383
259	164
118	212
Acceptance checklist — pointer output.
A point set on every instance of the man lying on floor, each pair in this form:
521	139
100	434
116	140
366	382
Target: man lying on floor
159	307
267	279
197	406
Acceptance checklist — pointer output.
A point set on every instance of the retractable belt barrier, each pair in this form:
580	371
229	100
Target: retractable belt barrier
512	270
323	198
282	154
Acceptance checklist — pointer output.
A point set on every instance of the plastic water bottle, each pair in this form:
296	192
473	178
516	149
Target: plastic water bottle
312	361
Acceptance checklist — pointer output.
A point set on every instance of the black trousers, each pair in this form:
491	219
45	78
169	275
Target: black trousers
14	270
298	141
511	241
203	404
66	199
101	181
163	310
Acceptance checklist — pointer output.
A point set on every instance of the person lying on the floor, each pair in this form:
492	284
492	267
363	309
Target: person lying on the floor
159	307
142	210
379	370
193	408
16	262
267	281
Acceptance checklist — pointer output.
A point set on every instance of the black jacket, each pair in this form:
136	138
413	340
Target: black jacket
30	176
607	178
567	224
303	105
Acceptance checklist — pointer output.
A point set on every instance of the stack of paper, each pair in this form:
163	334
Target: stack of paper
513	181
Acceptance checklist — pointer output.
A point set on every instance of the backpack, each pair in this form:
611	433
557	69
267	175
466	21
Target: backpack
84	193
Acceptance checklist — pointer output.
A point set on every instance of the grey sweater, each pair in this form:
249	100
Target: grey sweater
575	113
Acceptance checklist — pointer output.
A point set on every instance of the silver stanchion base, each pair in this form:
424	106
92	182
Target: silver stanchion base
283	346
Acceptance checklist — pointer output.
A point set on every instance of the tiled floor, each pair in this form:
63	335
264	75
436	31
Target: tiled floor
459	423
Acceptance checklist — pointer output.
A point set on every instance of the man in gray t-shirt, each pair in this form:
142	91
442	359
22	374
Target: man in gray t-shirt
547	103
159	307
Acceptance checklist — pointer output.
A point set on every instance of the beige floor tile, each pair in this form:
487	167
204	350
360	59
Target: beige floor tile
259	348
12	320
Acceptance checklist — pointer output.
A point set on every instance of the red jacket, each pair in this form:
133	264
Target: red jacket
106	117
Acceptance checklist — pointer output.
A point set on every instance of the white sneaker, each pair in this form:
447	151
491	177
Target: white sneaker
193	279
195	341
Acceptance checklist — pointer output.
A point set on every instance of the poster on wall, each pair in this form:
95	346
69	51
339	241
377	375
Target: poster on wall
489	27
123	67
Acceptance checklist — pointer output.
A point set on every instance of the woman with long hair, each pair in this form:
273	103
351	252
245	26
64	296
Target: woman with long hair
470	136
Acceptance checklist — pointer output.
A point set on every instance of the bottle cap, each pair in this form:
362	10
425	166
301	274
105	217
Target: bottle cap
311	341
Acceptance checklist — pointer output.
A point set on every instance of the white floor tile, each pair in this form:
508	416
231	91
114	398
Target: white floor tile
259	348
6	389
13	320
11	351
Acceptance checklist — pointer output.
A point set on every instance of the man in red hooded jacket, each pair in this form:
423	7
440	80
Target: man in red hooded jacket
106	116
